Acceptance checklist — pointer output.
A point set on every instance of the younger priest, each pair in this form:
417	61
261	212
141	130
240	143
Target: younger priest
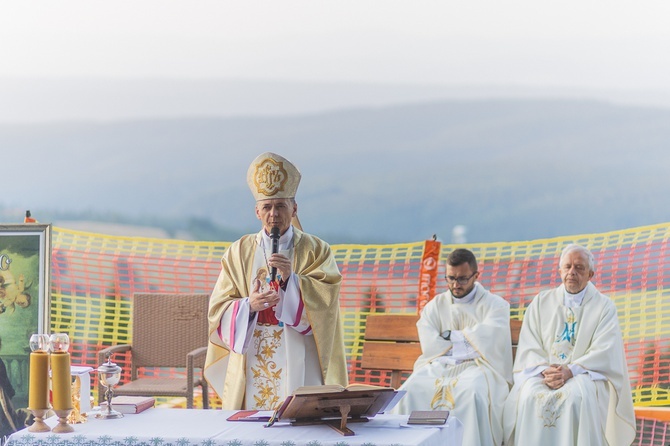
466	361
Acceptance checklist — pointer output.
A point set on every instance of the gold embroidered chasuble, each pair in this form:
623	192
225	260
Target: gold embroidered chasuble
586	410
319	283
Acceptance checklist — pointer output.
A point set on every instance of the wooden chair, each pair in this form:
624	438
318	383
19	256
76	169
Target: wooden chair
169	331
392	343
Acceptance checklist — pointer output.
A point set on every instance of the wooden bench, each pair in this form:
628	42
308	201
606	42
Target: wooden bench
392	343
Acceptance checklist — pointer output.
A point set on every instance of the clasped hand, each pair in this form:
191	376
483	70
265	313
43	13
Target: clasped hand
282	263
555	376
261	300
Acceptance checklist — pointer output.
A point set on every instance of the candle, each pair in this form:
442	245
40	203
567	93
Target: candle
38	392
61	380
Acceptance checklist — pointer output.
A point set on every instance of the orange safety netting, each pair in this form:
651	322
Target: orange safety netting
652	432
94	277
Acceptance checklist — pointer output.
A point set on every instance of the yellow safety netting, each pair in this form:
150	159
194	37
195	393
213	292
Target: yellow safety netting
94	277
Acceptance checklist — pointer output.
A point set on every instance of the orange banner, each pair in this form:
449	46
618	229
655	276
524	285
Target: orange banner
429	267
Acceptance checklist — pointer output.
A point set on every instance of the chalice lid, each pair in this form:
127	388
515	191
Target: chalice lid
109	367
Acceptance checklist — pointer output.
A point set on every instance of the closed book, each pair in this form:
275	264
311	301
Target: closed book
428	417
130	404
251	415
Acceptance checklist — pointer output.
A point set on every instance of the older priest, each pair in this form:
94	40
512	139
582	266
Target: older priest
268	337
571	379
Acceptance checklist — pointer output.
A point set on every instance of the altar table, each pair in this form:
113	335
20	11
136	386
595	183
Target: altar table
189	427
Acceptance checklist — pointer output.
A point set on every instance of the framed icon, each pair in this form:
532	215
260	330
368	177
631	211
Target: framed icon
25	263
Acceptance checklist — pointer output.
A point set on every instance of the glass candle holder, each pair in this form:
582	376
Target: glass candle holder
39	342
59	342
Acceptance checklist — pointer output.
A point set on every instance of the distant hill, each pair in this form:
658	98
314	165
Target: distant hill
506	169
110	99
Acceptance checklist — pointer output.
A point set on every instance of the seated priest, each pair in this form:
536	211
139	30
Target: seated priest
466	361
571	382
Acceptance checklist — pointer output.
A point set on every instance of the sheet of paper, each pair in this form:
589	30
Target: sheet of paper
398	396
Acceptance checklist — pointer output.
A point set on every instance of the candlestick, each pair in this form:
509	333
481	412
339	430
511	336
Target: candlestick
61	390
62	427
38	424
61	378
38	392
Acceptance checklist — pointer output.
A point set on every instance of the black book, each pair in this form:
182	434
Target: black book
428	417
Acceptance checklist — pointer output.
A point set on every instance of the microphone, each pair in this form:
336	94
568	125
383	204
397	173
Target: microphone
274	235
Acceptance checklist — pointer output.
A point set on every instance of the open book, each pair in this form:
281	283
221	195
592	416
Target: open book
334	405
307	390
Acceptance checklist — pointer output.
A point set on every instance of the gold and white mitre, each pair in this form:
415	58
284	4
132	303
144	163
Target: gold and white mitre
272	176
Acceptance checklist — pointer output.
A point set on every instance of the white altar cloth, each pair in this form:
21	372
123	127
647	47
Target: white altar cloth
189	427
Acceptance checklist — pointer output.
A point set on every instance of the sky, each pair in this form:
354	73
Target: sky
574	43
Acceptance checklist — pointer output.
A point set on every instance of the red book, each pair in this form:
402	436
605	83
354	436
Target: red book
251	415
130	404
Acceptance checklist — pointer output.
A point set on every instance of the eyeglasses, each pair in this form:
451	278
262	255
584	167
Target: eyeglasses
460	280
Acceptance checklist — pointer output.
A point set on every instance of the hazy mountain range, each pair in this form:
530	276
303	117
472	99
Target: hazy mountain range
507	169
98	99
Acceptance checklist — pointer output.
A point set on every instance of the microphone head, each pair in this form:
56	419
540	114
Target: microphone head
274	235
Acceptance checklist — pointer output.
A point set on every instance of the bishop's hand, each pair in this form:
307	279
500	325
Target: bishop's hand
282	263
260	300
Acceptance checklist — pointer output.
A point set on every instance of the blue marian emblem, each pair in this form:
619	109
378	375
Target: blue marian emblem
566	340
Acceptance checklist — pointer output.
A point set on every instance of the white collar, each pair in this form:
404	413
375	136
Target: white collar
573	300
284	239
468	298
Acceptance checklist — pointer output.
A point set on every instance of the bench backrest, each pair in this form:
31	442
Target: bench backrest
392	343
